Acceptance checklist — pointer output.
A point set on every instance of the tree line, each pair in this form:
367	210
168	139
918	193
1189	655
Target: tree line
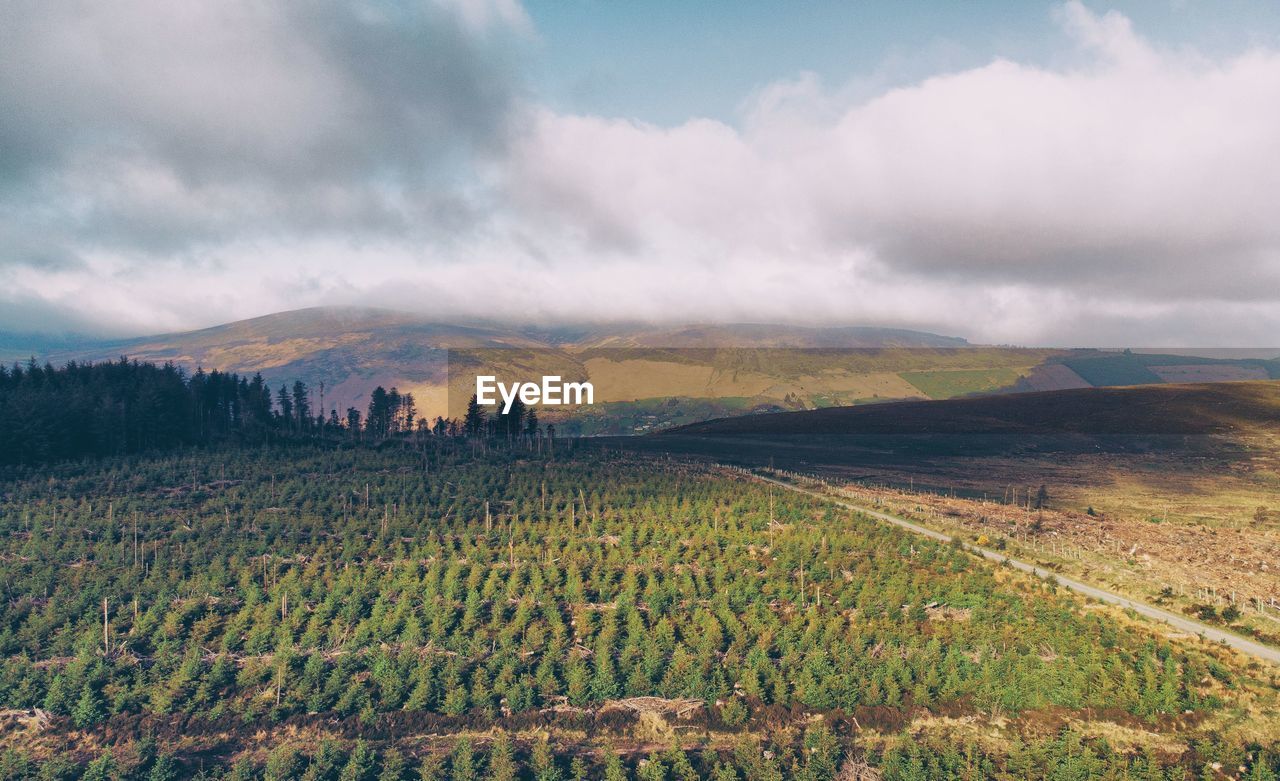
86	409
122	407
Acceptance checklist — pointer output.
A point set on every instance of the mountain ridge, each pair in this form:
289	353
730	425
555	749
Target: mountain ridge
647	376
353	349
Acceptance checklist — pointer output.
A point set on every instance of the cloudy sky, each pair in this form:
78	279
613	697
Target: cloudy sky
1010	172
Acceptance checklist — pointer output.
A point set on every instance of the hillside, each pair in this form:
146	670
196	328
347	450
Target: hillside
1164	492
1181	410
756	335
647	377
351	350
360	613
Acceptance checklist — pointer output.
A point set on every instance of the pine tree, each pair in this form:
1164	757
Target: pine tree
543	761
301	406
408	412
455	700
681	767
652	769
324	763
360	764
511	422
286	406
822	753
165	769
394	401
15	765
462	762
58	699
242	770
88	709
60	767
283	764
377	421
502	760
101	769
724	772
473	423
394	766
431	768
1260	771
604	685
613	768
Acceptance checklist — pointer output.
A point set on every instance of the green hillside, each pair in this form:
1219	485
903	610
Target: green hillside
337	613
649	377
946	384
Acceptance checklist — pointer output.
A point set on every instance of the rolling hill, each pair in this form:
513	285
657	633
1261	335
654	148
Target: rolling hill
1172	436
352	350
756	335
1178	410
648	377
1164	492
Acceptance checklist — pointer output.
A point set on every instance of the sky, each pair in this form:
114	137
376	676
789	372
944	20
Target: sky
1011	172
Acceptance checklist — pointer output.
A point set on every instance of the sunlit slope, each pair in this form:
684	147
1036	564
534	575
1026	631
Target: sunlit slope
646	377
351	350
758	335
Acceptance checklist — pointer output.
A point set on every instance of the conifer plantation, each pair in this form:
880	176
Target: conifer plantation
547	390
398	602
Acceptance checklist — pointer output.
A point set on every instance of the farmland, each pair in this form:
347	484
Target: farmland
652	377
946	384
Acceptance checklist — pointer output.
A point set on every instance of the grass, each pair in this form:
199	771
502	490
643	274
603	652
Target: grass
1178	471
948	384
1161	574
646	415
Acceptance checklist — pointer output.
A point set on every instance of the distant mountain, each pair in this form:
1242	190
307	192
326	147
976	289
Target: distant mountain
647	377
351	350
22	347
744	335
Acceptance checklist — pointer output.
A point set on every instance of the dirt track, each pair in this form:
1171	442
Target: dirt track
1178	622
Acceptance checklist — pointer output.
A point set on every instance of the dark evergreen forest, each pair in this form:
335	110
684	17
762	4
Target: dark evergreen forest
82	410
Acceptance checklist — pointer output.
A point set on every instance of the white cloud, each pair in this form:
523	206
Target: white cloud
156	127
481	16
1140	180
1127	197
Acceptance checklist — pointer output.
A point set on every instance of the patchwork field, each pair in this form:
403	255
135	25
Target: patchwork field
946	384
651	376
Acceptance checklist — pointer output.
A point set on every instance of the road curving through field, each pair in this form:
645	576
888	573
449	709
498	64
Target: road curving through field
1181	623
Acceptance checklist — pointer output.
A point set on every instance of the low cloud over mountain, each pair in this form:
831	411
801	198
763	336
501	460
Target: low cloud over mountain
167	167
